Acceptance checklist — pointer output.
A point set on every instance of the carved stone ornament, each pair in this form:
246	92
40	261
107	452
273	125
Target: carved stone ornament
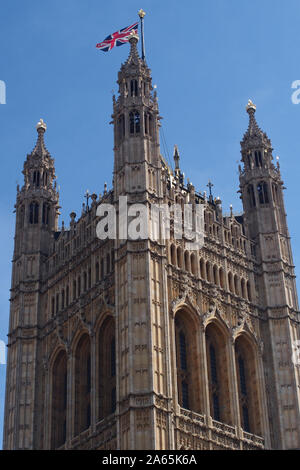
188	298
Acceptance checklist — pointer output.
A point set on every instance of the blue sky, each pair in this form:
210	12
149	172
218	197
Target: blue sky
207	58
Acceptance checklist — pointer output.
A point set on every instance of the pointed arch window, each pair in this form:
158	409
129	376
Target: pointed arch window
45	178
45	214
36	178
134	88
59	401
258	158
262	189
34	213
148	123
134	122
187	364
83	384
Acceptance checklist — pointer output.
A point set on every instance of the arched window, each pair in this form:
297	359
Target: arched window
134	122
83	384
258	158
216	277
34	213
251	195
84	281
134	88
236	285
36	178
208	273
187	363
221	277
218	376
263	195
107	368
248	385
179	257
45	214
187	266
173	254
59	401
193	264
202	269
45	178
148	123
243	288
230	282
249	291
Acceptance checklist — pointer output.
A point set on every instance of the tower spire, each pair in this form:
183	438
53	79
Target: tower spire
254	136
40	147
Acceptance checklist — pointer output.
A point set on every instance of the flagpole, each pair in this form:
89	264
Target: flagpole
141	14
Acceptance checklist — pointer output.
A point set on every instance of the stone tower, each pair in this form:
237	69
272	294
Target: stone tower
141	341
140	266
261	188
36	222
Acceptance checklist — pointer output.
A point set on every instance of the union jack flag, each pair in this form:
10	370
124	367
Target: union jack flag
117	39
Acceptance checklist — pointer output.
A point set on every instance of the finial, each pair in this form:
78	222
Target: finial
141	13
41	125
210	186
176	157
231	211
133	37
250	106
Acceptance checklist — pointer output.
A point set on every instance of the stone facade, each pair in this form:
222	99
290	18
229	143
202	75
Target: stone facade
143	344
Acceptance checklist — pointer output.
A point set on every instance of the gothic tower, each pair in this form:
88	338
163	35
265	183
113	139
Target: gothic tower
36	220
140	264
141	341
261	190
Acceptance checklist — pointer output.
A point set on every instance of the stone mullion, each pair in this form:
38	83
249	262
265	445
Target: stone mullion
94	369
70	397
262	398
167	355
48	409
234	391
204	372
